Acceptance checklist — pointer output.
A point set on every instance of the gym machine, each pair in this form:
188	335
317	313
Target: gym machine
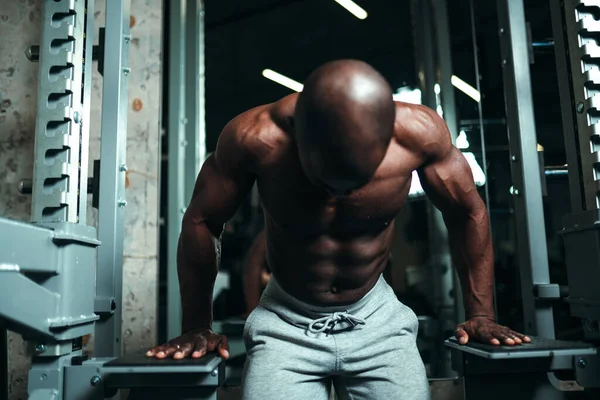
60	279
538	370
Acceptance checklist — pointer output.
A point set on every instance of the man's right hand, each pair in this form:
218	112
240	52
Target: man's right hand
195	343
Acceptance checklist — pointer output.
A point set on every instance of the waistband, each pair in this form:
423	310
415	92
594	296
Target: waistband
361	307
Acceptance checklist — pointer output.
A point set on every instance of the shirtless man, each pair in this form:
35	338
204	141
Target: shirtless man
333	166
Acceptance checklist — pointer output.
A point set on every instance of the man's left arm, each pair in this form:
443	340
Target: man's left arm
447	180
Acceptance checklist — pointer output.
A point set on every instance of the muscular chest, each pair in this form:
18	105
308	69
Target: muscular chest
293	204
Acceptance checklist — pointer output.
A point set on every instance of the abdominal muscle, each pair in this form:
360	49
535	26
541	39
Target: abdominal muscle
325	270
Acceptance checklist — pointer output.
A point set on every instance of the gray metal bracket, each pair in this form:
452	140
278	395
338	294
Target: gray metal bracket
98	378
65	233
17	237
105	305
59	313
541	356
15	290
58	249
549	291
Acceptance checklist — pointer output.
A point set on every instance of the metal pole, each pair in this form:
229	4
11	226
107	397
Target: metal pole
529	208
481	124
425	59
109	274
86	89
425	51
444	65
447	293
434	63
201	153
176	165
194	91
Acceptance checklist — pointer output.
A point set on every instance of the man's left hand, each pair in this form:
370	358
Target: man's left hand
486	330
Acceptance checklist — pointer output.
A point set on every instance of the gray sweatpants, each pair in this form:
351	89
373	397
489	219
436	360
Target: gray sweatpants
367	349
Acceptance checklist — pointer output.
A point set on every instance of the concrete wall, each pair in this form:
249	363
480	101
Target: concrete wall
20	28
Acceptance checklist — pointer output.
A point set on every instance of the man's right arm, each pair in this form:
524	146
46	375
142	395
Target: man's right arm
222	185
224	181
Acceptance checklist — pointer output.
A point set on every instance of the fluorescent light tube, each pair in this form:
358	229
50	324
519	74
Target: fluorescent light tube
353	8
282	80
465	88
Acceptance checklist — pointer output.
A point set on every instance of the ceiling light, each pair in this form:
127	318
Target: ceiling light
465	88
408	95
353	8
462	142
282	80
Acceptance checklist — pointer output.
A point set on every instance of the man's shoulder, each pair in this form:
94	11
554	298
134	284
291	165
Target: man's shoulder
259	131
421	130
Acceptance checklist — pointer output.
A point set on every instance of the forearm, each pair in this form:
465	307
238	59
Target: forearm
473	257
197	270
252	271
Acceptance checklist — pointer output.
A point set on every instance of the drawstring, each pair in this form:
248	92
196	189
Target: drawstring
329	322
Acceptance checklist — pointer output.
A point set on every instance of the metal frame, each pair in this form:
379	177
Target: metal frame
426	59
570	125
186	135
531	368
47	295
99	378
578	66
529	207
434	66
51	279
448	295
176	202
59	154
111	210
532	365
194	94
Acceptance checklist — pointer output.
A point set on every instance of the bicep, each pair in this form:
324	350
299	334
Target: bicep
218	193
224	181
448	182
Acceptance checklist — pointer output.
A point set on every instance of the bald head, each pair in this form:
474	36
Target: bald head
344	123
